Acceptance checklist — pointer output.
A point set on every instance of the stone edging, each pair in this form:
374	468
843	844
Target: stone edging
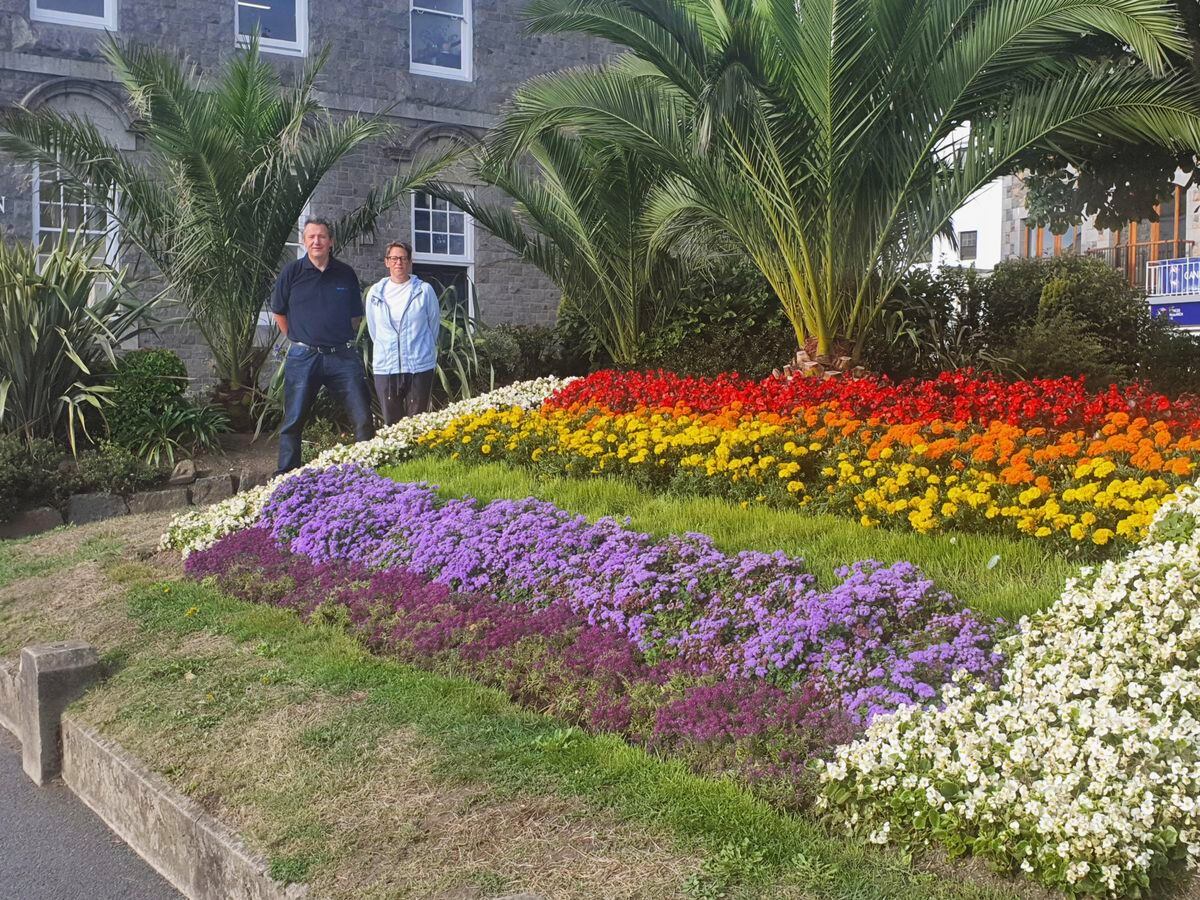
198	855
95	507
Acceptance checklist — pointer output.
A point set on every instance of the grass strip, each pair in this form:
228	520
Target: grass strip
994	575
482	736
19	560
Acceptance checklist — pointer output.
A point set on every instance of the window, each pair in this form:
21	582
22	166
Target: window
441	231
440	38
1040	241
88	13
282	24
968	244
56	205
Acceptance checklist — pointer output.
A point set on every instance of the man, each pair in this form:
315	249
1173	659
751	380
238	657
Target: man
317	306
403	316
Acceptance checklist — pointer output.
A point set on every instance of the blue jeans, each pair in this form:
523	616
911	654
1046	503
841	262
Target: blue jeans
304	373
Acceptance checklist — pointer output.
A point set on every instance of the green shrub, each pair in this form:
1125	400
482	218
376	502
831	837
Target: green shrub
1169	358
931	324
1057	343
1020	291
113	468
30	475
525	352
730	321
145	383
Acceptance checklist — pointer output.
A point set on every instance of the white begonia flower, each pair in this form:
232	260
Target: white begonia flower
1087	749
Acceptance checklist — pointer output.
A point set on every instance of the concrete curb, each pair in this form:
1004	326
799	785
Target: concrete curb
198	855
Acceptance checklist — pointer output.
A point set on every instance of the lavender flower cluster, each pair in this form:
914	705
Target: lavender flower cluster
883	637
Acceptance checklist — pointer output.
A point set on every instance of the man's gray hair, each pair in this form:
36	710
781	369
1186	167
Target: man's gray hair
319	220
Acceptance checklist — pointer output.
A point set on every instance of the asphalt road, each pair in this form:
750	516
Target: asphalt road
52	847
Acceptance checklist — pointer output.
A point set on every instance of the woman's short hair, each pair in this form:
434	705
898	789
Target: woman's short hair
403	245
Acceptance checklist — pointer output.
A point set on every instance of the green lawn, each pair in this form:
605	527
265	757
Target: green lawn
997	576
752	850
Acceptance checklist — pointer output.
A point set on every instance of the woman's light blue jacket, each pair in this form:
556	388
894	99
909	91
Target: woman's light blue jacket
404	340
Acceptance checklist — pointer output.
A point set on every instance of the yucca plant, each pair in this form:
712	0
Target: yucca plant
826	136
61	318
580	216
229	164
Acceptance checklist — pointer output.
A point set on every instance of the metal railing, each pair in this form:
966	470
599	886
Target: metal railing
1137	260
1173	277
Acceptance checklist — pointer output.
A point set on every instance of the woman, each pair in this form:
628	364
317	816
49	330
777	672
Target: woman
403	316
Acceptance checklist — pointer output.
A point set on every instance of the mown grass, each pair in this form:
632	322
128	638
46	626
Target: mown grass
18	560
994	575
752	850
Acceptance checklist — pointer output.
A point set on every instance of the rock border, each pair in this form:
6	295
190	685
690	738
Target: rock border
95	507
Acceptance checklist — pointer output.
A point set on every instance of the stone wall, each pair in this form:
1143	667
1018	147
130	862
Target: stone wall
367	72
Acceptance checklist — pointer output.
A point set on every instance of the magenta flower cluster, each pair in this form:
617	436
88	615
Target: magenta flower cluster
881	638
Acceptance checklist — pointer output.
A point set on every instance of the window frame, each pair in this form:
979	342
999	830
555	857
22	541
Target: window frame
466	258
111	232
1034	237
298	47
105	22
974	233
467	71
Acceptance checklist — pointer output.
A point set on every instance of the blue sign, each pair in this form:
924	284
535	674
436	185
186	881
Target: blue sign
1179	276
1185	314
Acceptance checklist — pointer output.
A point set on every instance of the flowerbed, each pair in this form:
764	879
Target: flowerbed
962	396
1083	490
1082	767
198	529
548	658
883	637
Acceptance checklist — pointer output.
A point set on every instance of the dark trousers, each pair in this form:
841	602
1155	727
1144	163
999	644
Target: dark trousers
403	395
305	371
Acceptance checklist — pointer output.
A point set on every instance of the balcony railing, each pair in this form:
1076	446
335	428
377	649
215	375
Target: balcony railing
1173	277
1136	260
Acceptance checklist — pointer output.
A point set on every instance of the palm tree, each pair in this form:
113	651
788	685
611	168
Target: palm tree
230	165
826	136
579	217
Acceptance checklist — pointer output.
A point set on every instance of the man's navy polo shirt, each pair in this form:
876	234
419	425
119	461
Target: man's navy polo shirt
318	305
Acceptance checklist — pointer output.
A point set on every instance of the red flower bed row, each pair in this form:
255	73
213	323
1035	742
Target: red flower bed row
962	396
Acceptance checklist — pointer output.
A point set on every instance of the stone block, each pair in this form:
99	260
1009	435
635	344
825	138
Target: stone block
51	676
84	508
211	489
155	501
183	473
9	707
31	521
246	478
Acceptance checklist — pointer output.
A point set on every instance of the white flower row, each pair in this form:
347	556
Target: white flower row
198	529
1083	767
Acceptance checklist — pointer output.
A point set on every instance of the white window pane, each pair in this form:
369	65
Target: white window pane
50	215
446	6
439	203
457	223
437	40
422	243
421	220
439	221
458	245
74	7
439	243
421	200
275	19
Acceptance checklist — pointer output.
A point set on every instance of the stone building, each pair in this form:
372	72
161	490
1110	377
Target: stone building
440	68
1159	257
